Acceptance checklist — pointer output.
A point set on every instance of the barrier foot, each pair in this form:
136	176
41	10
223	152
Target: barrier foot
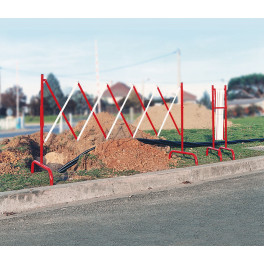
185	153
218	151
44	167
229	149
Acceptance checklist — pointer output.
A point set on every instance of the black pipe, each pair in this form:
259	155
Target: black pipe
65	167
194	144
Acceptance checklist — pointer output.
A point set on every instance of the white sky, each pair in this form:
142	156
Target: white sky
213	51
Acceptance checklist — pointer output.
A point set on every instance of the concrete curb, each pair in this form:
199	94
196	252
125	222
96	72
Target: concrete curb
23	200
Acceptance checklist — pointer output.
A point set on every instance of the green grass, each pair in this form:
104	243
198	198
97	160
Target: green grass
76	118
51	118
243	128
35	119
10	182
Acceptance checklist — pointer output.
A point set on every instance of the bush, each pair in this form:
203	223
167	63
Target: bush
239	111
254	109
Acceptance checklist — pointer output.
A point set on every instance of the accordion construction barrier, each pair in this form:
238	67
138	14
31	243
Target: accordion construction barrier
219	104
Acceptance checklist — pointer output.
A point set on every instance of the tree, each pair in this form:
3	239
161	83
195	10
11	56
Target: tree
239	111
9	98
254	109
50	106
34	106
132	101
205	100
79	104
247	86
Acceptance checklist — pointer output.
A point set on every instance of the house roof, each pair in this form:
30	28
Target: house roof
245	101
119	90
188	96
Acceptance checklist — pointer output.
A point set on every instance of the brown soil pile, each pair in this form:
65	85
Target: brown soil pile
120	152
92	136
16	153
128	154
195	117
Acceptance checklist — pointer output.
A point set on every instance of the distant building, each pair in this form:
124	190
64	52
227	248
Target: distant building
188	97
120	90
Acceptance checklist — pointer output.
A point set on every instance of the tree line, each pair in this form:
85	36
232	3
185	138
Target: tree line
76	105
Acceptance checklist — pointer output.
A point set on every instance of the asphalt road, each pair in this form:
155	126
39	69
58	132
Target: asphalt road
224	212
29	129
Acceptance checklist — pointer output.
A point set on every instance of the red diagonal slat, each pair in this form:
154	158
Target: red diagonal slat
117	106
144	110
168	110
56	101
89	105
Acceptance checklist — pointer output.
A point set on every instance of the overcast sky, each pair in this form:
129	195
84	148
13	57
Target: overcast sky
212	50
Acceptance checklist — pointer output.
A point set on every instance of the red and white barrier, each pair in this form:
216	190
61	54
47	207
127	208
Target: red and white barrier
92	113
219	123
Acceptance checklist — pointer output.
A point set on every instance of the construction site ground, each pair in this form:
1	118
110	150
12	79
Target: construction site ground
121	155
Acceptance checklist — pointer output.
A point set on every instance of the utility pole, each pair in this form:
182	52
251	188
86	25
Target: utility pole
17	93
179	73
97	75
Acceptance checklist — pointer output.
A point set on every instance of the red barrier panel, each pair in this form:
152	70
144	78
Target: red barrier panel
214	107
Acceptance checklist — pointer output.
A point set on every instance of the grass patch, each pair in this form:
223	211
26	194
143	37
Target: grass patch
52	118
35	119
244	128
10	182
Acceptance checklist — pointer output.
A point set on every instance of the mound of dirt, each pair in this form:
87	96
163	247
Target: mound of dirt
92	136
16	153
120	152
128	154
195	117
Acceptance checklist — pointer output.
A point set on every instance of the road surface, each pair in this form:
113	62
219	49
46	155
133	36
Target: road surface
224	212
29	129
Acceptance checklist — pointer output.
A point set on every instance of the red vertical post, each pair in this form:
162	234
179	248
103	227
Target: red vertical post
41	118
182	117
225	117
213	135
